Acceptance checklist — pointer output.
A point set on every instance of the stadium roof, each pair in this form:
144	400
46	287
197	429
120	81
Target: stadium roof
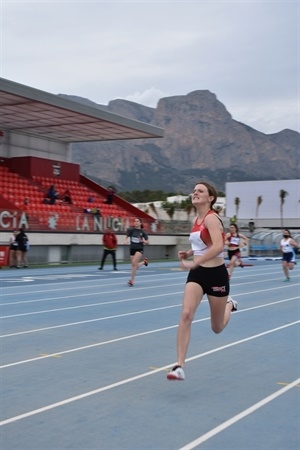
29	111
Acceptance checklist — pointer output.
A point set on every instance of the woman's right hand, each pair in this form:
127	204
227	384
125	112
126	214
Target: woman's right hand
182	255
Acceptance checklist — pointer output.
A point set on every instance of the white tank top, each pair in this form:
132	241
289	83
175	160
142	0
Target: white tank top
286	246
200	239
234	241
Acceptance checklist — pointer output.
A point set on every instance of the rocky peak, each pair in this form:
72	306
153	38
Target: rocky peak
201	140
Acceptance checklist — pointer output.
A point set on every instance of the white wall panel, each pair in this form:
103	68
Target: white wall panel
248	192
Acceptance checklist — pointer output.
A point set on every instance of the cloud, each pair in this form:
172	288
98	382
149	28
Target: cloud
149	97
244	52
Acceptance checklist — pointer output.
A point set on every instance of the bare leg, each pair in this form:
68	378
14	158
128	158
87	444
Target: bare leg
135	264
285	269
193	294
25	259
232	265
12	258
220	312
19	257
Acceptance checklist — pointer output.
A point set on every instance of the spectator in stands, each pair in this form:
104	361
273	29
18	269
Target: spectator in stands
90	199
110	195
110	243
66	197
95	211
23	247
251	226
53	195
13	250
26	201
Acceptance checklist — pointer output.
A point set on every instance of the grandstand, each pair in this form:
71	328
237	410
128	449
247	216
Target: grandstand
37	130
38	215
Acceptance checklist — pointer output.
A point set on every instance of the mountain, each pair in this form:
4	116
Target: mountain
201	141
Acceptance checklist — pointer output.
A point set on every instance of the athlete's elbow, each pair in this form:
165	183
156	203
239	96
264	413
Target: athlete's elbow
219	248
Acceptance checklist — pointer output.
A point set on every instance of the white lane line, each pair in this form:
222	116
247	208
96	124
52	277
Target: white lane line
87	347
113	301
124	338
138	377
98	319
98	280
239	416
141	277
86	294
89	305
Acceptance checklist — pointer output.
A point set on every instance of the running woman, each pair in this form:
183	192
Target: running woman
207	274
287	246
137	238
235	240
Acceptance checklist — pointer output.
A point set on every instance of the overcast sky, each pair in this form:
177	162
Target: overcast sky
245	52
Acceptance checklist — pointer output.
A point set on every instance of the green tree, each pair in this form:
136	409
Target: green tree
169	208
153	209
189	207
171	211
258	203
237	202
282	195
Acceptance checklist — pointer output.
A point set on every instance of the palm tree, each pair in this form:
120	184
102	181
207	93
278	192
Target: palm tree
189	207
282	195
153	209
170	210
237	205
258	203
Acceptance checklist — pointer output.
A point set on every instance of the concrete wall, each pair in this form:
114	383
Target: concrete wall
268	213
69	248
61	248
16	145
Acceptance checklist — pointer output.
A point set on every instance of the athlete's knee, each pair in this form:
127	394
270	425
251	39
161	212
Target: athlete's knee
217	328
187	316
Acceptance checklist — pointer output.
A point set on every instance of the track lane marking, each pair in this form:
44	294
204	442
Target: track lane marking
117	301
239	416
147	374
98	319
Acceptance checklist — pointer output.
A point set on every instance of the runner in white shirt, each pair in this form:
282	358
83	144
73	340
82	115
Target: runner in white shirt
234	241
287	246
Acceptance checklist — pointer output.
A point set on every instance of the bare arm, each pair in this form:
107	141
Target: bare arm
245	239
185	254
294	243
227	238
